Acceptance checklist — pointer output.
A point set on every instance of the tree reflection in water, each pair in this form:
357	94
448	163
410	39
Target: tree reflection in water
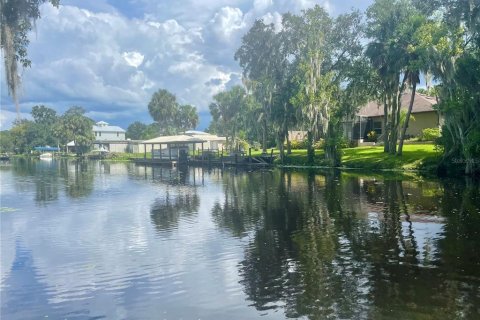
78	176
166	211
334	245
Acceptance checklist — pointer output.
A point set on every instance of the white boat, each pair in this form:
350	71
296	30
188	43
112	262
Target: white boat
46	156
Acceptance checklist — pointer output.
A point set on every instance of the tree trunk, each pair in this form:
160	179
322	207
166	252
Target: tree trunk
393	127
310	149
407	118
264	137
289	145
281	148
397	105
385	125
331	147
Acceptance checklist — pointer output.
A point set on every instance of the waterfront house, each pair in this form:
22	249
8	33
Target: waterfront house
109	138
370	117
212	141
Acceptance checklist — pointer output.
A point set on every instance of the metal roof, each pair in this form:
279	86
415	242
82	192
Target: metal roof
47	148
422	103
196	133
175	139
107	129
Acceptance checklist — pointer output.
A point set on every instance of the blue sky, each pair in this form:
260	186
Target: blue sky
110	56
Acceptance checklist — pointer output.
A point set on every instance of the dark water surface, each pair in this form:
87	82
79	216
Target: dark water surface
92	240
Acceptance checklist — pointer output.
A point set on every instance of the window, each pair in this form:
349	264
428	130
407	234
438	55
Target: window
118	134
377	127
99	134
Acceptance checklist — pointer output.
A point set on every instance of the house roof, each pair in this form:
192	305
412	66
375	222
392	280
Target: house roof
422	103
104	128
195	133
205	135
182	138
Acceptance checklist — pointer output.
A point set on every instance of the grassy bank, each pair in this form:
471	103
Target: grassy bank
422	157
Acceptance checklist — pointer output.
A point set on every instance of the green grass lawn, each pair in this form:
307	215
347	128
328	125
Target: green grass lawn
415	157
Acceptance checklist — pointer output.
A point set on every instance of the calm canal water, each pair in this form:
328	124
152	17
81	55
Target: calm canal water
92	240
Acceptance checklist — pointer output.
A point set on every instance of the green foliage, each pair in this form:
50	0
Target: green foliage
298	144
319	144
430	134
136	131
455	56
75	126
27	134
302	73
6	142
171	117
141	131
372	136
21	135
228	113
243	145
186	117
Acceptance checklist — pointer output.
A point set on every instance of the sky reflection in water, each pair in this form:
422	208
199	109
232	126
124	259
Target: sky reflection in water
88	240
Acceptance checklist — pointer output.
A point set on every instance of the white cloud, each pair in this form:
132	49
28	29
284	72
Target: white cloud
274	18
261	5
227	22
133	58
8	117
110	58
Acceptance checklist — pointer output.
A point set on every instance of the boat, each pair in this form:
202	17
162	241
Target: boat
46	156
4	157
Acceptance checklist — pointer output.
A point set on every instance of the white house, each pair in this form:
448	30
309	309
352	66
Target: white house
104	132
109	138
213	142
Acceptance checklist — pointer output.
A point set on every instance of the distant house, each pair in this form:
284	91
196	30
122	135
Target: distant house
213	142
105	132
297	135
370	117
109	138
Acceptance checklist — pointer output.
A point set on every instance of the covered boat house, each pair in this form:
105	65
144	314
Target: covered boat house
171	149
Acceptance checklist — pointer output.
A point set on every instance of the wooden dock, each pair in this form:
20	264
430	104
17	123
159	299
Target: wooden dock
156	162
211	161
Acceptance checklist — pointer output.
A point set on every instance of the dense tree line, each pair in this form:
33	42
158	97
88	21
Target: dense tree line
170	117
48	129
315	71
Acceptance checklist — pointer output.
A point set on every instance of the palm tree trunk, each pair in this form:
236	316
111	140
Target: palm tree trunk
385	126
407	118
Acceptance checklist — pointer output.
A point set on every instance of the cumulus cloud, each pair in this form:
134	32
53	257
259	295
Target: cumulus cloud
110	58
227	21
133	58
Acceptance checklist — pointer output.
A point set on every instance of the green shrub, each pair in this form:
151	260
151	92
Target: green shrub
243	145
297	144
372	136
430	134
319	144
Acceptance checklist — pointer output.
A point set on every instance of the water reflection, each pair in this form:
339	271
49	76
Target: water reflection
326	245
78	177
165	212
193	243
174	176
